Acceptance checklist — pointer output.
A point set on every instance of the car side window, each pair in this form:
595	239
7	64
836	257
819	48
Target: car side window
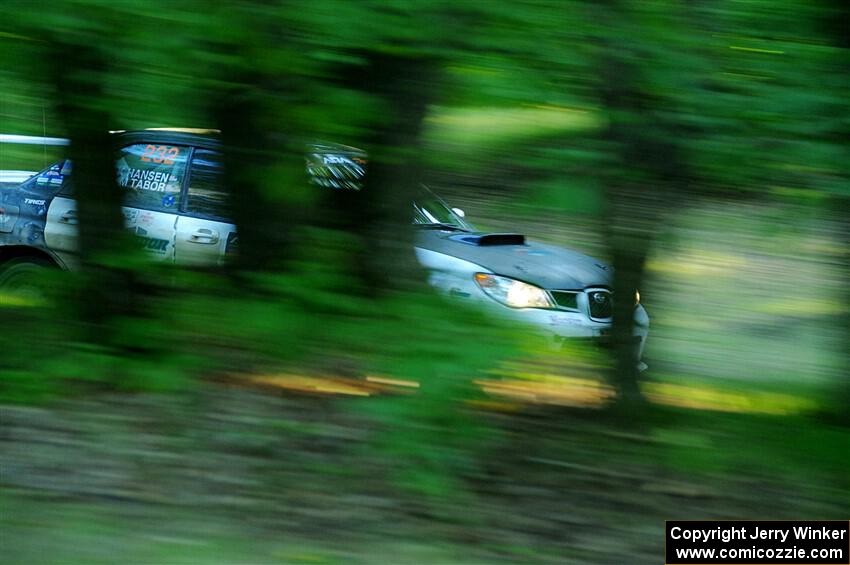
152	175
56	179
207	196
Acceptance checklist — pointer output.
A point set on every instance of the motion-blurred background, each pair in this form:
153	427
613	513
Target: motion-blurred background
315	401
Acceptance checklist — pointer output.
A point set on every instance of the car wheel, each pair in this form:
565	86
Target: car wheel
22	281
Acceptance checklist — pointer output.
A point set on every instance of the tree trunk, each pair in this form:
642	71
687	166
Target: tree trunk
837	22
380	215
253	163
78	72
629	243
640	184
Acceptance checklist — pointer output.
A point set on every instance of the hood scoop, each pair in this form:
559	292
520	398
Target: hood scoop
489	239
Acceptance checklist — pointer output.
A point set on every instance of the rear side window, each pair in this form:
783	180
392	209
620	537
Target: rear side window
55	178
207	196
152	175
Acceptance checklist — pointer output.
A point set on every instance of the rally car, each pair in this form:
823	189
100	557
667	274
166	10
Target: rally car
176	204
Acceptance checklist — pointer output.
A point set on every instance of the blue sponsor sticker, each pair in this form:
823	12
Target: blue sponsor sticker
168	201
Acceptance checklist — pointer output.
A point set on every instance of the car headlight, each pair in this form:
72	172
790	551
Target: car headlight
637	297
512	292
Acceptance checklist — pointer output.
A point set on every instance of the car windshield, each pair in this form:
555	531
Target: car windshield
431	210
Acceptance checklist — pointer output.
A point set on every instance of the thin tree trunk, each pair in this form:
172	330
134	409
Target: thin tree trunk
647	170
629	244
837	22
841	397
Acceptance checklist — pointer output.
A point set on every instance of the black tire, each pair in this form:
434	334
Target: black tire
22	279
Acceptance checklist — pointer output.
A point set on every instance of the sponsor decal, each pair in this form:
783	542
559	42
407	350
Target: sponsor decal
141	179
160	154
556	320
335	171
534	252
55	175
158	246
33	202
168	201
151	244
335	160
158	176
130	215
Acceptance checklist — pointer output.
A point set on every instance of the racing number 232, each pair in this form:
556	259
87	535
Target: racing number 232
162	154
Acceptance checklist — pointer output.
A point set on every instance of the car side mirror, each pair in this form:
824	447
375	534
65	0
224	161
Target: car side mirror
459	212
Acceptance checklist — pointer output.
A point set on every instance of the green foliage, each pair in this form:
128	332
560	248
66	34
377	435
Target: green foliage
751	95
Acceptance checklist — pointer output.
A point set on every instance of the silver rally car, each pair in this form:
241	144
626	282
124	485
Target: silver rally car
561	293
175	203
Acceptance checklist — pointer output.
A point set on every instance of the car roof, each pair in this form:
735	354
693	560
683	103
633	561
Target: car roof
208	138
211	139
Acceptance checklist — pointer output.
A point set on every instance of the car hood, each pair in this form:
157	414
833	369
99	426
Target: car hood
544	265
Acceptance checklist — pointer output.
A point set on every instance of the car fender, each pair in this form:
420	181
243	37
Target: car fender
449	274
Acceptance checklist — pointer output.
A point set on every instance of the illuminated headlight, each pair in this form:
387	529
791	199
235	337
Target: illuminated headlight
512	292
637	297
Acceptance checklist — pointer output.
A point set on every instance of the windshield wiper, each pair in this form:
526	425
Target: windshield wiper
440	226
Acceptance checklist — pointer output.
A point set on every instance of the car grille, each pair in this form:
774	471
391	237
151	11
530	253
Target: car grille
565	299
601	305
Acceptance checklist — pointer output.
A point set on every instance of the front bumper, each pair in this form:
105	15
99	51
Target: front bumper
455	277
559	326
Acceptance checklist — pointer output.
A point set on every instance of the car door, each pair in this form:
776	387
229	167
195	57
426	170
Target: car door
60	224
61	230
204	233
152	176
